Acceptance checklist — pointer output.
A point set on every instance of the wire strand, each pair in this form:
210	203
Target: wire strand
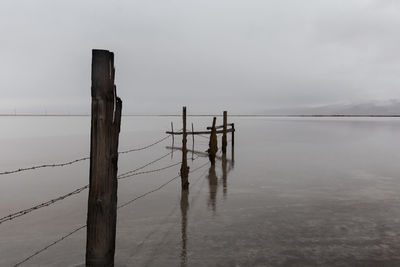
78	160
80	189
121	206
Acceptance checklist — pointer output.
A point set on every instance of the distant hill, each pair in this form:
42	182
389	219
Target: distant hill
391	107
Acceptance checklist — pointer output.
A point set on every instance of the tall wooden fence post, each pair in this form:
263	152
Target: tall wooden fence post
172	129
184	166
192	142
224	138
213	144
233	135
105	127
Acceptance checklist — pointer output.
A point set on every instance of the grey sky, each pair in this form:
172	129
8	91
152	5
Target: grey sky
244	56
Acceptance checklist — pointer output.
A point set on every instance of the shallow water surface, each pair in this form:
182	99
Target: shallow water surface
295	192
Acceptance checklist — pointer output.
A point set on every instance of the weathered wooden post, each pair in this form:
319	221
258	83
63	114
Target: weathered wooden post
213	144
184	166
233	135
173	139
233	144
172	130
192	142
224	138
102	201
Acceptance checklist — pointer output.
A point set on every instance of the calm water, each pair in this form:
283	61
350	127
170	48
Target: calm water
300	192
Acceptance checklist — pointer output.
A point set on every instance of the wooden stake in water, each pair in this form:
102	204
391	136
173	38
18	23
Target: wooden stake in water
213	144
102	202
184	166
224	138
192	142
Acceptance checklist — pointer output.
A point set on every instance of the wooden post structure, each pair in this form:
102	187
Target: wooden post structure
184	166
233	135
172	129
213	144
192	142
233	144
224	138
105	127
173	139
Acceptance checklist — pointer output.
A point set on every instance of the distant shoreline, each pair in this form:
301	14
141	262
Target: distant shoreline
210	115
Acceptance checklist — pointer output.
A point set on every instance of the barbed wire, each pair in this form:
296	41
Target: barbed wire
45	166
78	160
158	188
148	164
42	205
121	206
50	245
145	147
79	190
151	171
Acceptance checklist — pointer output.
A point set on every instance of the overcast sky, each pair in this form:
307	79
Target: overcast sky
246	56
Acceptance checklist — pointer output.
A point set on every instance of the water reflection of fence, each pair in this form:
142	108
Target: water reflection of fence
102	205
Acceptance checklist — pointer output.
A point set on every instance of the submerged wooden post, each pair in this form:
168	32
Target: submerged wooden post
184	166
233	135
173	139
224	138
213	144
192	142
105	127
172	130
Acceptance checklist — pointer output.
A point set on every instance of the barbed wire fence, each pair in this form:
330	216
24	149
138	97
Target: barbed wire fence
80	159
124	175
80	189
119	207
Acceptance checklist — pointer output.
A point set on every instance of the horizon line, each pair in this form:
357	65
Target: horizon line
207	115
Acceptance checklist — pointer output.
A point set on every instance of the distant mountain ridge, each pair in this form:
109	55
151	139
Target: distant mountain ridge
391	107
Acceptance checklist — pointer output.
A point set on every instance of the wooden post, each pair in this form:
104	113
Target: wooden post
224	139
172	130
184	166
192	142
213	144
102	202
233	144
233	135
173	139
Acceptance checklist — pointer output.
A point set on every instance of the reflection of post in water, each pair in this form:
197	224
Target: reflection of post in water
184	209
213	183
233	157
224	174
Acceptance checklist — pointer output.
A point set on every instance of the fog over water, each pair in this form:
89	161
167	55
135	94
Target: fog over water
242	56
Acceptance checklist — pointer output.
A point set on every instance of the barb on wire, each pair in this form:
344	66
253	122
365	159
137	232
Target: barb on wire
78	160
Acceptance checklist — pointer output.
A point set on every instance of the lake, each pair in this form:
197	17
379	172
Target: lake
299	192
